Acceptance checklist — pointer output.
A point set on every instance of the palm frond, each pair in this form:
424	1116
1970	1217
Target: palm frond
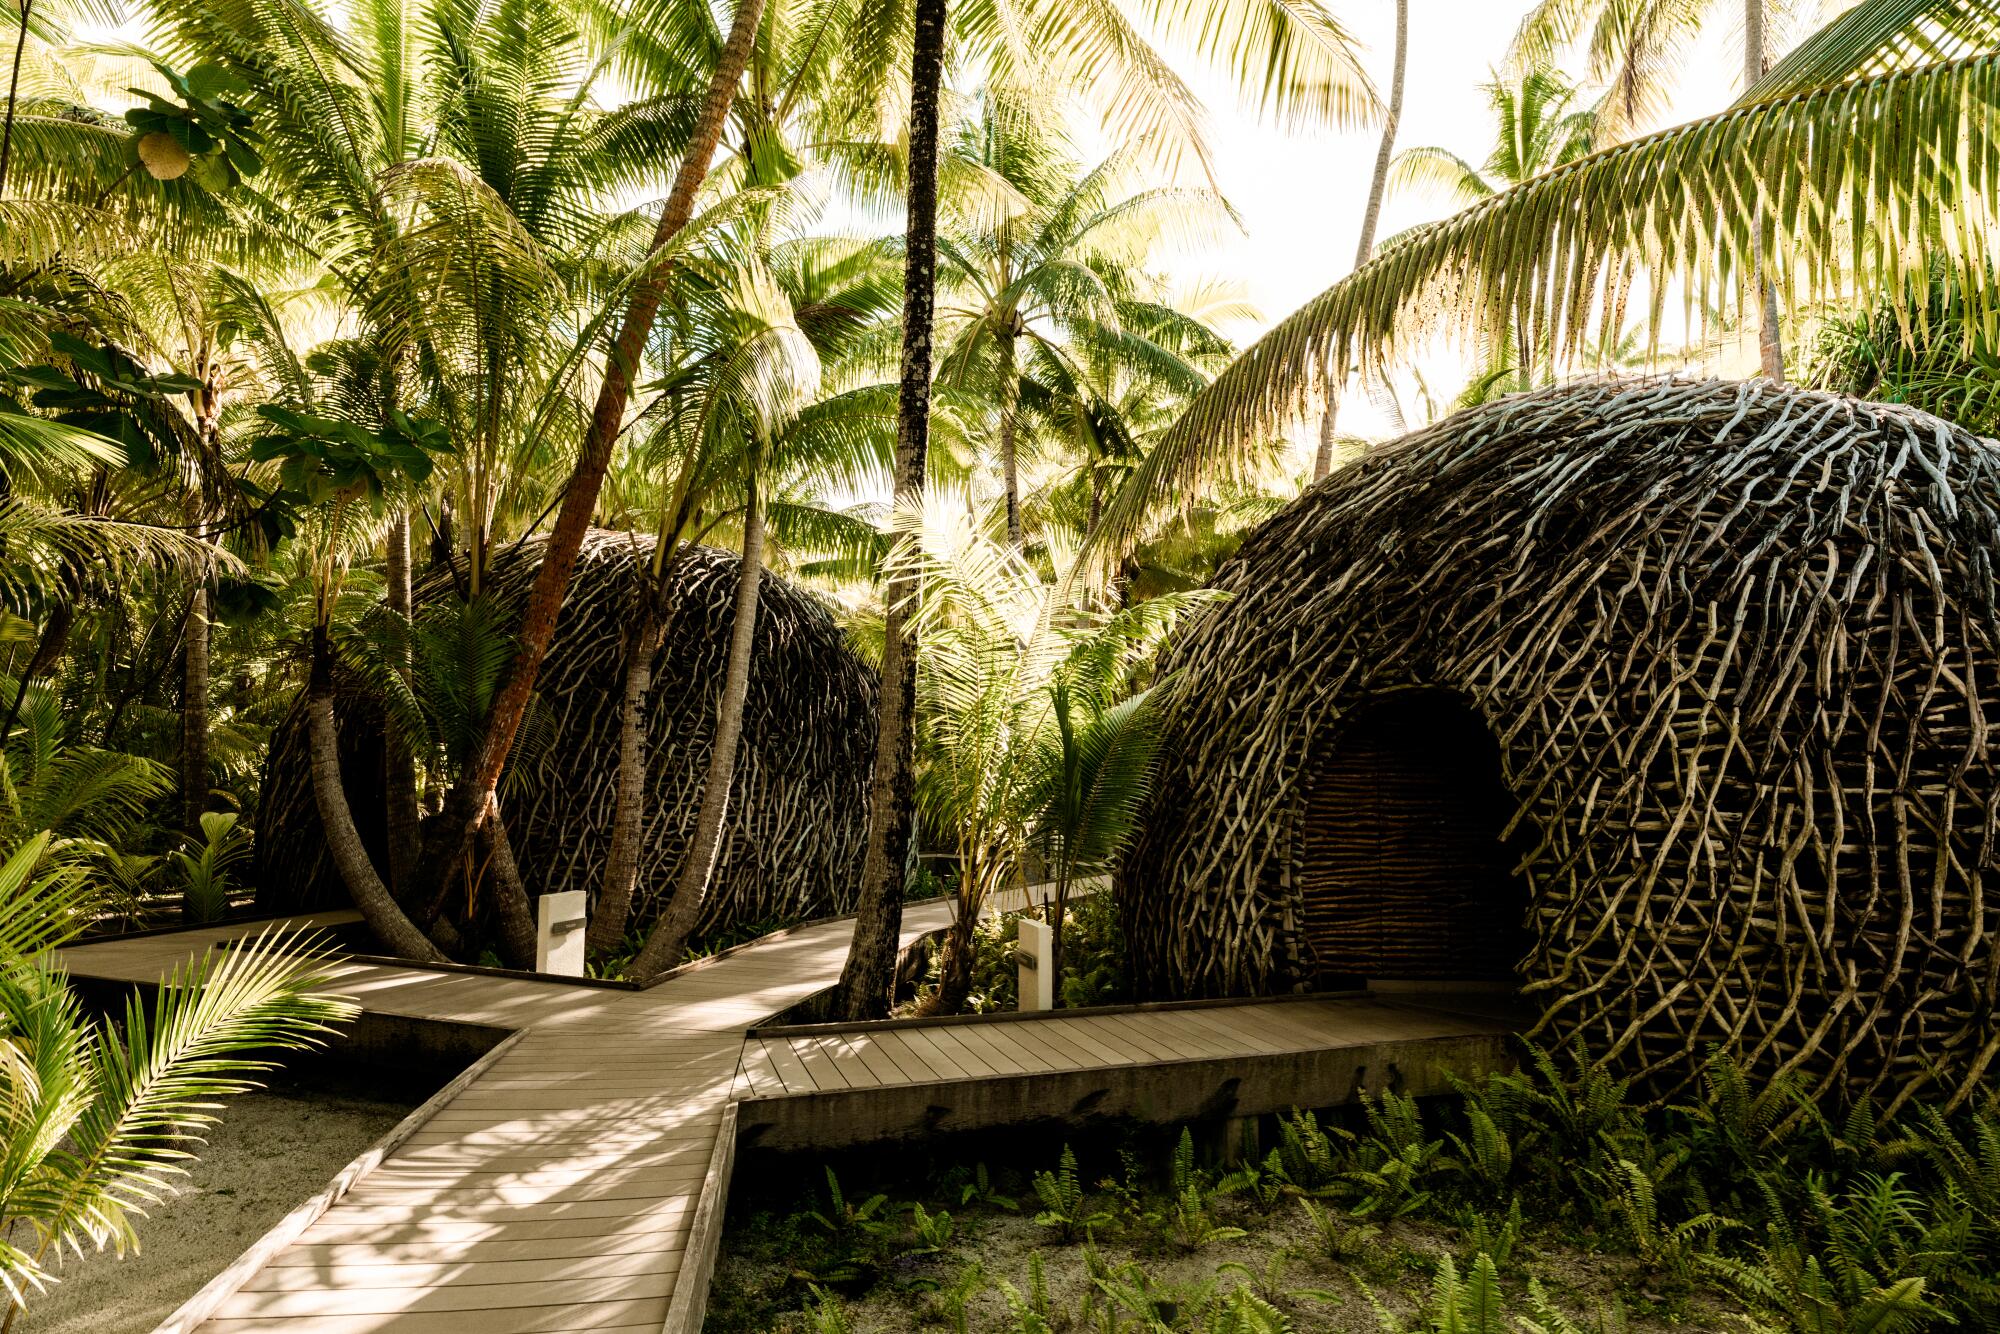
1872	179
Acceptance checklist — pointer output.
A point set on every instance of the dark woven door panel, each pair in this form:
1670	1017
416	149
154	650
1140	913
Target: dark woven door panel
1401	865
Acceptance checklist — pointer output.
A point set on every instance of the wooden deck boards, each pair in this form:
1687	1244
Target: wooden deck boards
1021	1046
558	1190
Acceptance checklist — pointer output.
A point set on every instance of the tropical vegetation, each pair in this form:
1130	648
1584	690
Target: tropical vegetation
301	300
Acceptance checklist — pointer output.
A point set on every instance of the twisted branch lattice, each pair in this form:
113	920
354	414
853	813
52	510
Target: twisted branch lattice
798	810
1739	649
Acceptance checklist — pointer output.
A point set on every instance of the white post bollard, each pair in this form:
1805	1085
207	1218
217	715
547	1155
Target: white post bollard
1034	949
559	933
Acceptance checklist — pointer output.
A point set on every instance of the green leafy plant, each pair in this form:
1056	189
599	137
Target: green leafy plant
1030	1311
1308	1157
1497	1238
1188	1216
1064	1206
950	1305
1868	1270
1339	1239
101	1118
205	872
1158	1305
932	1231
1669	1248
1472	1305
855	1234
1393	1161
978	1189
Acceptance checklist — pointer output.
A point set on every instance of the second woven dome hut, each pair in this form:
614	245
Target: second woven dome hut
1671	704
797	817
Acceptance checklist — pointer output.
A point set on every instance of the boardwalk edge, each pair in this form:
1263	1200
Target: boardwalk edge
191	1313
704	1243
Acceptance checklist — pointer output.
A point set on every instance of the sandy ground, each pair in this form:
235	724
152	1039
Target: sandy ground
272	1151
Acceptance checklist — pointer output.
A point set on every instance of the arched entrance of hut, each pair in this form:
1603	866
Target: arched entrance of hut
1402	867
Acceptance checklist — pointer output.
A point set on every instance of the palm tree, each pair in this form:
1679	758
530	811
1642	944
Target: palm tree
755	407
868	976
1091	774
1866	171
1371	215
99	1114
738	305
1008	663
1296	54
1049	272
343	478
1635	48
1537	129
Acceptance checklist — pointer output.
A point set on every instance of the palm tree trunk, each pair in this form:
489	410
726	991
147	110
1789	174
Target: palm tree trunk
27	9
194	709
1378	185
669	935
1010	408
49	647
628	820
955	968
404	814
513	906
473	795
1058	908
383	915
870	973
1770	334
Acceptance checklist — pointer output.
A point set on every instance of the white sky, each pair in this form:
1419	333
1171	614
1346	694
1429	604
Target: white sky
1301	195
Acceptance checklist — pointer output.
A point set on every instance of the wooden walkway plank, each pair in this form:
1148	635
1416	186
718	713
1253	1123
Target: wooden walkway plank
557	1191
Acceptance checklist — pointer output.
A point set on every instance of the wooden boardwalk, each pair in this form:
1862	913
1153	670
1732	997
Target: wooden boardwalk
831	1085
556	1191
558	1188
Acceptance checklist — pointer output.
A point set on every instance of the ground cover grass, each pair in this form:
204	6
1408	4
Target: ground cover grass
1541	1202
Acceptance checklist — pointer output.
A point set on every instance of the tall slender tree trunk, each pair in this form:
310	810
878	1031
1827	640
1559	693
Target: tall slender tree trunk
1378	185
473	795
194	709
1010	411
870	974
381	911
669	935
628	819
26	10
1770	332
404	814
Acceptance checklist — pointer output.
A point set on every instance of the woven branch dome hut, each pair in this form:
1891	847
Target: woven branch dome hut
1673	704
793	835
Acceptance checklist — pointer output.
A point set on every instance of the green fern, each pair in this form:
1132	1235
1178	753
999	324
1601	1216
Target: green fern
1309	1160
1064	1207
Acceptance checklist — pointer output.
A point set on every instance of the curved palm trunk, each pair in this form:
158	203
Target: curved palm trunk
404	814
513	906
669	936
1010	411
384	917
869	977
628	821
473	795
194	709
1377	186
55	635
